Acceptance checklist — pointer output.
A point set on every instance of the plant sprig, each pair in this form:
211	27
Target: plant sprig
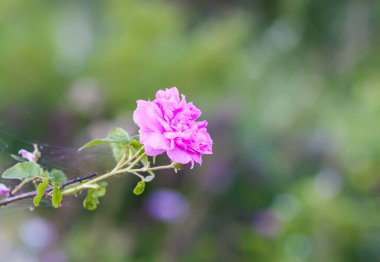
130	158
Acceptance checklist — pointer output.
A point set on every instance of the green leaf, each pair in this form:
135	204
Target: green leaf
23	170
135	143
115	136
56	197
145	161
139	189
93	194
119	149
149	178
118	134
57	176
178	166
18	158
40	192
102	141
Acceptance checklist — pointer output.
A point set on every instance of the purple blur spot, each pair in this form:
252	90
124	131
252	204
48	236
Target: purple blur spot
167	205
266	223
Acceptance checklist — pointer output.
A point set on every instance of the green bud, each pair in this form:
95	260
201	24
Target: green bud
178	166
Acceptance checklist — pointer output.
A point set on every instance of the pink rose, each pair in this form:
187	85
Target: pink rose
167	124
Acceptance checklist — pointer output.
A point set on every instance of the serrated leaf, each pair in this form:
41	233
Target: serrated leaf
91	202
139	188
57	176
23	170
41	188
56	197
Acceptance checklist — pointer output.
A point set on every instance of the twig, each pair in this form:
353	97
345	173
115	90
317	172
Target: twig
22	196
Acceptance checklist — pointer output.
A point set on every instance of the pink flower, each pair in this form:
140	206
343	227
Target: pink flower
27	155
167	124
31	157
4	190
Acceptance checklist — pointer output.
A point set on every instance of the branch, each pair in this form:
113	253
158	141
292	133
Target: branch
22	196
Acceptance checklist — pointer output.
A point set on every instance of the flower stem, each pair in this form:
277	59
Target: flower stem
114	172
26	195
22	184
91	179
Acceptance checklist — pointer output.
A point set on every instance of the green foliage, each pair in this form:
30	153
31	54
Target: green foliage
116	136
139	188
57	176
56	197
121	144
119	149
91	202
23	170
178	166
41	189
18	158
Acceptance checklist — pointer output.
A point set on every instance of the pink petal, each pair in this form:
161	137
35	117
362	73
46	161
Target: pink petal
4	190
179	155
155	140
27	155
146	115
153	152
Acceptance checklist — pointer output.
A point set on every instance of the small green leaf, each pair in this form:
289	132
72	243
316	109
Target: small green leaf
56	197
102	141
23	170
92	200
178	166
115	136
135	143
40	192
139	189
57	176
18	158
145	161
118	134
118	149
149	178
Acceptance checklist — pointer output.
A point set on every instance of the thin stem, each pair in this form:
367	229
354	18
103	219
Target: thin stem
131	158
137	174
92	179
22	184
101	178
152	168
19	197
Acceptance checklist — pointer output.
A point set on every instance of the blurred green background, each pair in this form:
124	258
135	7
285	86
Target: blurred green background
291	91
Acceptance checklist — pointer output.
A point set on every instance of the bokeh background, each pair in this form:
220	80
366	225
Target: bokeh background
291	91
